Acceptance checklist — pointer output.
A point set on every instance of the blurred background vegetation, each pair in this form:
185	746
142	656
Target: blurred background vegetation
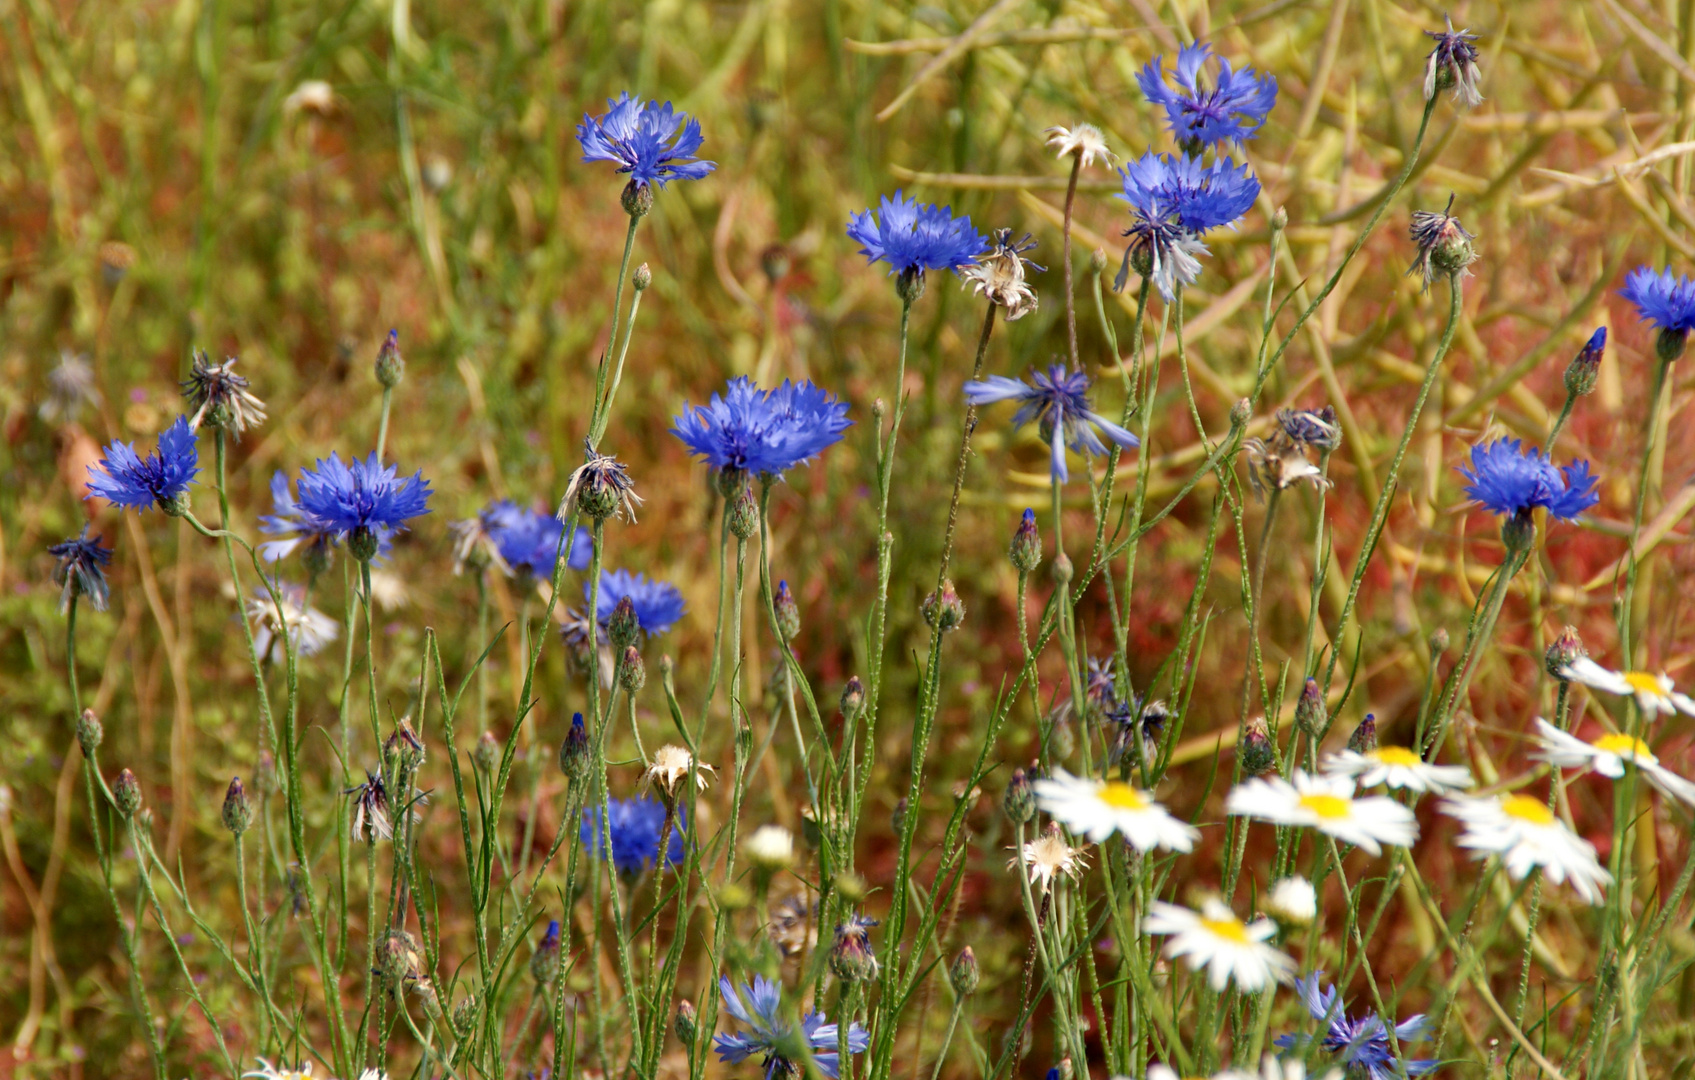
285	180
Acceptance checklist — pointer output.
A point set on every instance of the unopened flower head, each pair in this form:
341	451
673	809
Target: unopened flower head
544	962
914	237
1606	754
748	431
1665	301
771	1035
851	957
161	479
657	605
650	142
308	629
1292	900
1328	804
1453	64
600	487
1653	694
999	275
1444	245
1585	368
1214	938
1231	109
219	397
1507	480
1361	1046
1084	141
635	826
79	568
1048	859
1397	767
1096	810
1524	832
1174	202
1058	401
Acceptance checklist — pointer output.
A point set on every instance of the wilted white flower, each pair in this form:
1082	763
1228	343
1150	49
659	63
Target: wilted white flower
1047	858
1084	140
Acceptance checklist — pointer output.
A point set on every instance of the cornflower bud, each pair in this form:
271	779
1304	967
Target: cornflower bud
1241	413
964	975
464	1015
1311	714
1438	642
1566	650
126	793
853	698
399	958
851	886
487	753
897	817
238	812
1585	367
632	673
642	278
391	366
851	958
403	748
90	733
1098	261
1019	801
544	962
1025	552
687	1025
943	609
1061	569
743	512
788	612
1259	755
1279	220
622	628
1364	738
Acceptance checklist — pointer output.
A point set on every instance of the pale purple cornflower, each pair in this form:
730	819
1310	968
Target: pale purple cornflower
1058	400
1232	110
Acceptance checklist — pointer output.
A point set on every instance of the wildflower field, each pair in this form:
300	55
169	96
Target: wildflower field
828	538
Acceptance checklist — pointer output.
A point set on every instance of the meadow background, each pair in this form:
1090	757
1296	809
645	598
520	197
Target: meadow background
171	180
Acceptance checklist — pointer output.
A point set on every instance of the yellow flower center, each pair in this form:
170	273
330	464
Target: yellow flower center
1624	746
1524	808
1230	930
1328	807
1398	755
1121	796
1643	683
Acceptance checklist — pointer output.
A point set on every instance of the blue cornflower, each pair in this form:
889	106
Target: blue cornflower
161	479
1173	202
644	140
658	604
362	499
635	825
528	542
1361	1045
913	237
1059	402
762	431
1231	111
1508	481
1664	301
81	569
770	1035
300	531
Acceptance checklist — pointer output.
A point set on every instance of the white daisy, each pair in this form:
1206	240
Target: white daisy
670	765
309	629
1097	810
1653	693
1292	900
1526	834
1047	858
1607	755
1216	939
1165	1072
1084	140
1397	767
1326	803
267	1071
